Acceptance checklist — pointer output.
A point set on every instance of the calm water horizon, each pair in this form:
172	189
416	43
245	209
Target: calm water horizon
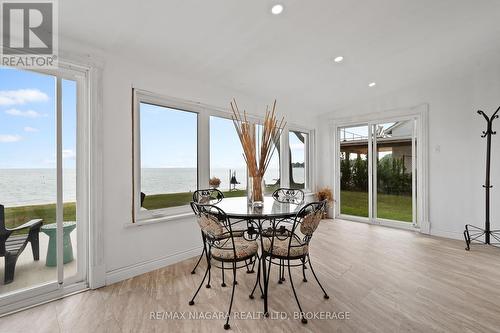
21	187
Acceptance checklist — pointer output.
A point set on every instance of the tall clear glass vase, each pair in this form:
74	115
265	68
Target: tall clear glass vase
255	191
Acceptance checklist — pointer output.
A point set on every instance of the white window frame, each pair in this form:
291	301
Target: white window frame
204	111
309	159
420	114
141	96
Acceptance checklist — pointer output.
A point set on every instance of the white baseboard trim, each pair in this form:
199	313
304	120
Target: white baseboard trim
97	276
128	272
433	232
447	234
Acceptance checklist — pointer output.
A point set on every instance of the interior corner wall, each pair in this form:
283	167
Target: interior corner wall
457	152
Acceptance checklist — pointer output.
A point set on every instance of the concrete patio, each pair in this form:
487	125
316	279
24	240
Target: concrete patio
30	273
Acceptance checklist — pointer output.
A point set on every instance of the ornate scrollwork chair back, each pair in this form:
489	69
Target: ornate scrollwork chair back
208	196
289	195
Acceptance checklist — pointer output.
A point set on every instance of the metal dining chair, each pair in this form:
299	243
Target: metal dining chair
206	196
293	245
214	196
222	245
289	195
294	196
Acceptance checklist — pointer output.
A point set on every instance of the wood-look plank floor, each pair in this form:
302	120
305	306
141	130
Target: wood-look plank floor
388	280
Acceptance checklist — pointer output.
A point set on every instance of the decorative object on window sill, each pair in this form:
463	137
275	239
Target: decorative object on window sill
471	232
233	181
214	182
325	193
258	148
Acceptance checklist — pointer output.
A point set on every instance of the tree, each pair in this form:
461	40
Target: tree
345	171
393	177
360	174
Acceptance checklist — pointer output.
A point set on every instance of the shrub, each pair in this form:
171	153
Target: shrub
214	182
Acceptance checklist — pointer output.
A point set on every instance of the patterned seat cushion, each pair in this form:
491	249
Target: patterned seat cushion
243	249
213	227
210	225
280	247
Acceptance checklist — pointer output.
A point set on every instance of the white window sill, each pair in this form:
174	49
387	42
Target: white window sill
159	219
173	217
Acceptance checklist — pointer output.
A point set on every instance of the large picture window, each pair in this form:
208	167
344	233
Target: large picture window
181	146
167	155
228	170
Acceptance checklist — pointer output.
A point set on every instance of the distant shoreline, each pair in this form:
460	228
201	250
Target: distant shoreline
37	186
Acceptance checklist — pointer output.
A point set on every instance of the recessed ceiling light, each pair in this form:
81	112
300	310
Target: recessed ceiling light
372	84
338	59
277	9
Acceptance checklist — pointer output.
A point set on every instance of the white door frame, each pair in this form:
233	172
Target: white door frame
420	114
90	261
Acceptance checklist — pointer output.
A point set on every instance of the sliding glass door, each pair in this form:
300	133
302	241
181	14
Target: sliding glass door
377	171
42	228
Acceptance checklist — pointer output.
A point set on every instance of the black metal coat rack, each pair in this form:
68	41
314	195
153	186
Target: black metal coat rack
471	232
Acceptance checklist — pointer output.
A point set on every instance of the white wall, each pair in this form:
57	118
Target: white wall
127	246
456	151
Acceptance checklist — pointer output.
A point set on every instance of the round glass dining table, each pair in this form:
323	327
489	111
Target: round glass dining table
272	211
240	209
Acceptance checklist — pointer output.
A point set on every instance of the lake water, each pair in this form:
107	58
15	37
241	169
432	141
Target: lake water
19	187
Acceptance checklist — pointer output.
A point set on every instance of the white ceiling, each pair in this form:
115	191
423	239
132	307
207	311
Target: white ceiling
240	44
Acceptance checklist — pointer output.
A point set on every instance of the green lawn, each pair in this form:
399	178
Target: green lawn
15	216
178	199
391	207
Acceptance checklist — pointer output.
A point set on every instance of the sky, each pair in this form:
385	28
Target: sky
174	132
297	148
168	137
27	120
225	146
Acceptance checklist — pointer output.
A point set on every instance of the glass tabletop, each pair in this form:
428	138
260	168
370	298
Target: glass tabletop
239	208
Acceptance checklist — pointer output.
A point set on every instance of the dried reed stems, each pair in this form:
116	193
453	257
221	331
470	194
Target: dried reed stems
257	160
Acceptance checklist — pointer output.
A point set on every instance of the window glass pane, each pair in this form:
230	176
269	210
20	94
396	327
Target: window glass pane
227	163
354	170
168	156
272	177
27	168
394	170
298	142
69	151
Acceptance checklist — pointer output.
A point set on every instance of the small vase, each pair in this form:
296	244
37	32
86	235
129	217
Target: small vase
255	194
